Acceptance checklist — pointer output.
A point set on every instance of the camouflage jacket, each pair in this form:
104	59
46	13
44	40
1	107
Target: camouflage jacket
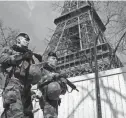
47	77
19	69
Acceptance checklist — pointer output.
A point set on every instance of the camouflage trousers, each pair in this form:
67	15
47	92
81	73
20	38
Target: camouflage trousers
12	101
50	109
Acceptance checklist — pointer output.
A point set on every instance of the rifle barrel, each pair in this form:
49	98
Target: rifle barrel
72	85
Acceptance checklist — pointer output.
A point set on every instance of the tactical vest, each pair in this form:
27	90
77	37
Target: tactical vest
18	71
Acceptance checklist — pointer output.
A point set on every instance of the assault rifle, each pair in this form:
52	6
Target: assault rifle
24	50
56	78
68	82
72	85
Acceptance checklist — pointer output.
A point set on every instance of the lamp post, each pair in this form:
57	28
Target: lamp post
97	87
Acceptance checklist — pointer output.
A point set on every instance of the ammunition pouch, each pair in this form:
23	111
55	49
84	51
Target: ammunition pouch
9	97
7	103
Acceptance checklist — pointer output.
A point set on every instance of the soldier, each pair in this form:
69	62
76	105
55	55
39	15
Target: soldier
51	88
16	65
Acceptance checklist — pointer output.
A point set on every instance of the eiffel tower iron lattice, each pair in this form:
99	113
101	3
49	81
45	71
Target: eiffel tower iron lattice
73	40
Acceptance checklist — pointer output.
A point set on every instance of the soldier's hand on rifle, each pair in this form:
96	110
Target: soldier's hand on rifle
28	55
9	98
55	75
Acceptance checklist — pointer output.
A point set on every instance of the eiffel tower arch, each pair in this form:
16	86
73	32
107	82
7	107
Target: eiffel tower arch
73	40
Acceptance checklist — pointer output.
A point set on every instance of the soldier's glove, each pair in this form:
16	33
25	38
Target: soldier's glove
15	59
28	55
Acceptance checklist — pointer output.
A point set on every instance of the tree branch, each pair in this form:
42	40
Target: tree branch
3	36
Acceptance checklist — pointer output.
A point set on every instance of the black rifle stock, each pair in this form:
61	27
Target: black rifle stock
59	78
24	50
68	82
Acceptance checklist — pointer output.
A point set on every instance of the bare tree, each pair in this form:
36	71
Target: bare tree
7	35
57	6
113	16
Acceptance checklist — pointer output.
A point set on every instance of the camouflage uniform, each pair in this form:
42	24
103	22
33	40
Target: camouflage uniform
49	107
13	92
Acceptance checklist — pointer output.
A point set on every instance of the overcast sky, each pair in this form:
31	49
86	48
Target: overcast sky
30	17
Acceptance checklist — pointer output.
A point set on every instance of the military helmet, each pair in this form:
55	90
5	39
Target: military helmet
24	35
53	91
35	73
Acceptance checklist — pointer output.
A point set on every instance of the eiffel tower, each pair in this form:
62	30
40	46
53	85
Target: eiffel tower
73	40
